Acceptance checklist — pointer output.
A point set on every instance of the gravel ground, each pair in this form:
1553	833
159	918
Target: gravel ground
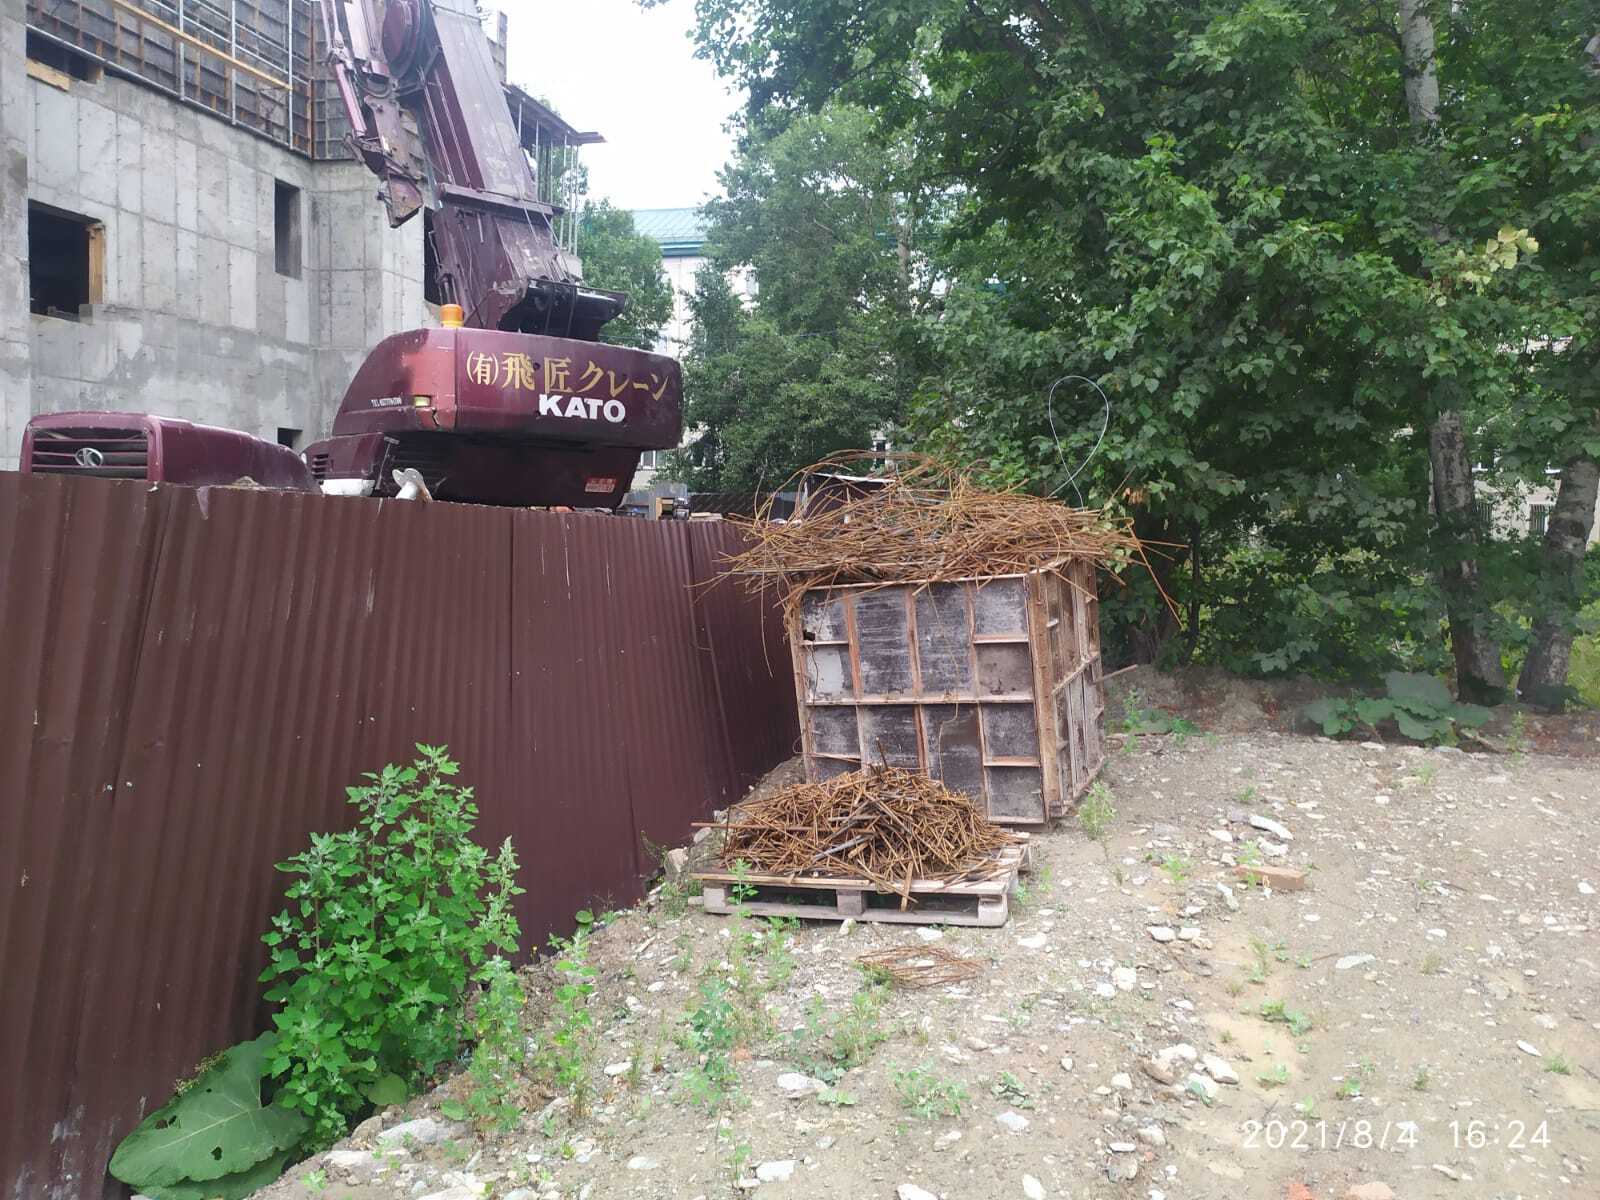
1430	1012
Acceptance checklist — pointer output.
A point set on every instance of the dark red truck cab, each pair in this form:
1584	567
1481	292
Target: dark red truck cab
120	445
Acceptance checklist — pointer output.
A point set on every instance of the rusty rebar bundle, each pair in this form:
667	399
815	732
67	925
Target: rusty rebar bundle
919	966
925	523
885	824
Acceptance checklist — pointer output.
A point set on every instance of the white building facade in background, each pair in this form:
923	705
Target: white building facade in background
681	234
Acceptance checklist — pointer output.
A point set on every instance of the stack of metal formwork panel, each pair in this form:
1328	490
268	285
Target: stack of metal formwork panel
992	685
253	63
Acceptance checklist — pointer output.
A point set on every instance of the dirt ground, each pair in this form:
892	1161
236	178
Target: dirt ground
1423	1015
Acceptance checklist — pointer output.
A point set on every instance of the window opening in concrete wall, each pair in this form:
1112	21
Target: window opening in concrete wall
430	261
61	59
289	437
66	261
1539	519
286	228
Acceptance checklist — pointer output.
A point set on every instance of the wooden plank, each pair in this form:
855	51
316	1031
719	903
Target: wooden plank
964	698
986	904
984	912
1044	700
97	263
45	73
174	31
797	656
1011	856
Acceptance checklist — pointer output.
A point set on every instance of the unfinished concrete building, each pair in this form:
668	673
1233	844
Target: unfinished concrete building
181	228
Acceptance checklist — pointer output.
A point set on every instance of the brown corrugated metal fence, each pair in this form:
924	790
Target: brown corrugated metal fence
192	678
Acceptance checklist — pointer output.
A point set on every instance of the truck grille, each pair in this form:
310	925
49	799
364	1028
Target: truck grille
430	458
101	453
319	466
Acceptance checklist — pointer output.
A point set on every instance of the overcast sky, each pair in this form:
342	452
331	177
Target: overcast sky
632	75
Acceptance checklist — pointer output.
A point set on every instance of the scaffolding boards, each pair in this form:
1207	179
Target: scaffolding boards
259	64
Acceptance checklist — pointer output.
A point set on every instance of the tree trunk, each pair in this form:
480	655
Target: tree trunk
1479	675
1193	631
1417	66
1543	681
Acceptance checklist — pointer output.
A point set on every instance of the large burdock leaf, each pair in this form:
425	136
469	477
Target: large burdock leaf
229	1187
217	1126
1423	695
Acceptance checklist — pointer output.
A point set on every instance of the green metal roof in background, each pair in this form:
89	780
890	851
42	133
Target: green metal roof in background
681	231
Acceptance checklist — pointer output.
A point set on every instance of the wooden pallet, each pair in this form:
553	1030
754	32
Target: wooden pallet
984	903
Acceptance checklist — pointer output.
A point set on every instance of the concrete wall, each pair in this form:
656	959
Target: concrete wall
15	125
195	320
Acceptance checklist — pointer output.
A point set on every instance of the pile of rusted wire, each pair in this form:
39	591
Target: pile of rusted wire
922	523
919	966
884	824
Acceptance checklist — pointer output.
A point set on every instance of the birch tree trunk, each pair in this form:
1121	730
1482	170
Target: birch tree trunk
1479	676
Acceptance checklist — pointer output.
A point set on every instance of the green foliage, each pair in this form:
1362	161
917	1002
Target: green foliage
1008	1089
927	1094
499	1048
215	1137
712	1035
1137	720
1221	213
1419	705
825	1046
1278	1012
1096	812
832	227
618	258
1178	869
1277	1077
385	927
569	1050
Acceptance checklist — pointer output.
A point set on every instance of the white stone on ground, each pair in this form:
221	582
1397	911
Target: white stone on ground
775	1172
424	1131
1015	1122
1268	825
1219	1069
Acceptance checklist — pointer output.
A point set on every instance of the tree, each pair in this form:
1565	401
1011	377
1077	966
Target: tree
816	210
1560	150
765	403
1226	214
617	258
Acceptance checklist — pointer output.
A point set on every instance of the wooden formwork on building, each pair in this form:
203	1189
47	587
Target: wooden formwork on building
991	685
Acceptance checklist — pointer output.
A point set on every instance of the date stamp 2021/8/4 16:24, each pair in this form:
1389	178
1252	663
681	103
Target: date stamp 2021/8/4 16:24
1321	1134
